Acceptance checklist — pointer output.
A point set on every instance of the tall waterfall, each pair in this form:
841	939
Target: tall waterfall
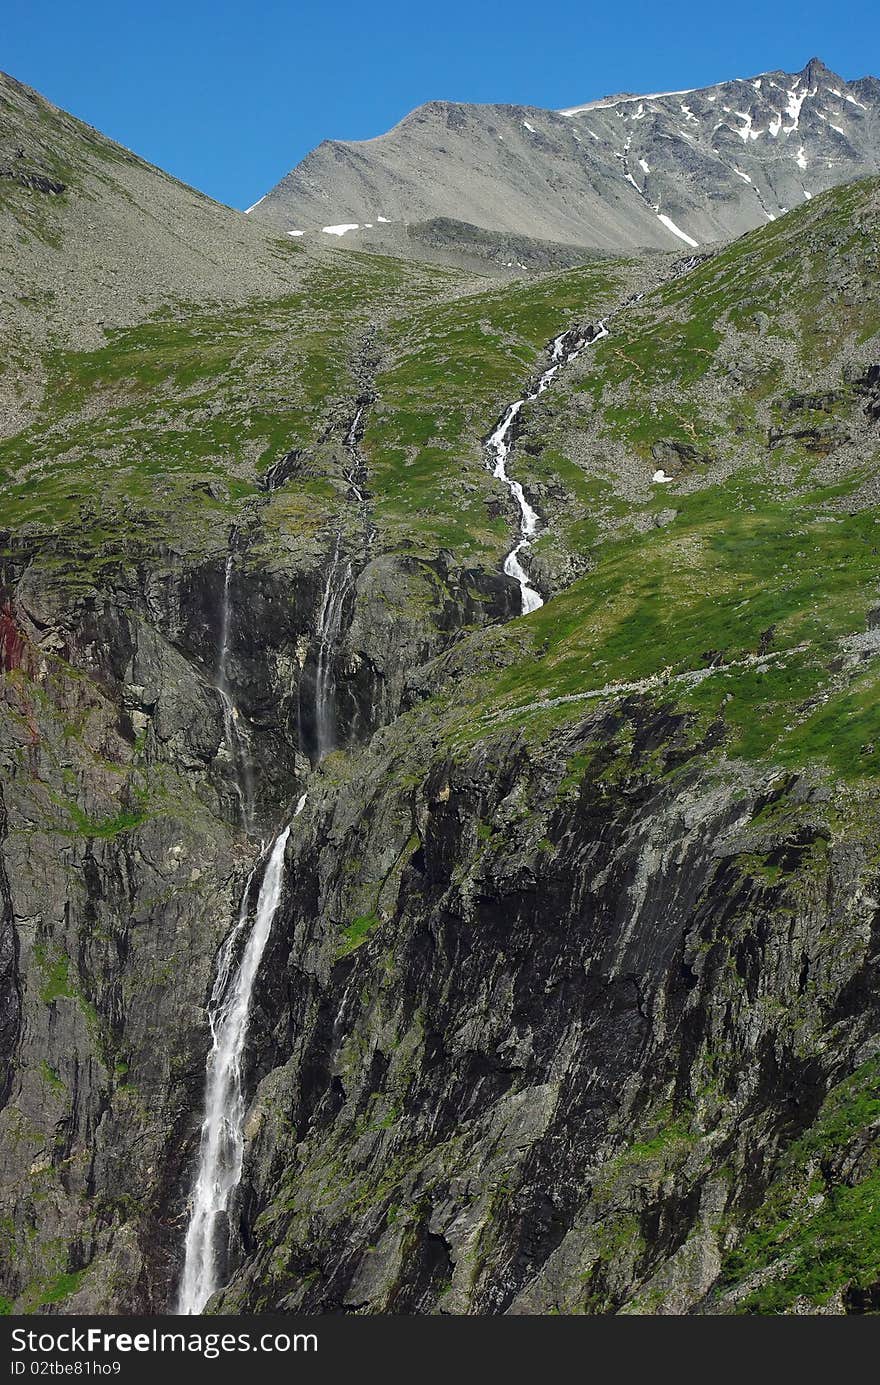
337	585
563	349
338	582
222	1143
236	744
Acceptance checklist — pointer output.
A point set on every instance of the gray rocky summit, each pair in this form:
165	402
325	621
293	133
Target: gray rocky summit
624	171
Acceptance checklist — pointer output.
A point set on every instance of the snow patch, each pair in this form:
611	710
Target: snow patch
341	229
530	128
606	101
744	132
801	158
676	230
383	219
643	166
296	233
793	109
660	478
248	210
739	173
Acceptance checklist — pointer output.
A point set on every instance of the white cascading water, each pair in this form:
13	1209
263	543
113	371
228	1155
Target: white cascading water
329	626
235	742
221	1151
351	444
499	447
336	588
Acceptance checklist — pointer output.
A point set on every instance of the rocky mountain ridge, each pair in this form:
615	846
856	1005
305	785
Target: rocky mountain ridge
615	174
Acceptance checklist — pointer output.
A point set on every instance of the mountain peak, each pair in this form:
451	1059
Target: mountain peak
694	165
815	69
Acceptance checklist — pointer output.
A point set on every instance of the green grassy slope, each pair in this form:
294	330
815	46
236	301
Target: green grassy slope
752	549
163	432
454	367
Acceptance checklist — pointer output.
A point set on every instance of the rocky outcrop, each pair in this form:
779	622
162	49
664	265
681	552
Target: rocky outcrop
536	1026
36	181
673	457
824	438
868	384
406	611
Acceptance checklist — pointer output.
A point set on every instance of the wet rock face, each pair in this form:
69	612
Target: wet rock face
122	863
405	612
397	614
557	1065
535	1027
117	875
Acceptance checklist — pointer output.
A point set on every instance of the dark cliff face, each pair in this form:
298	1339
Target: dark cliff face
541	1019
121	865
556	1067
538	1022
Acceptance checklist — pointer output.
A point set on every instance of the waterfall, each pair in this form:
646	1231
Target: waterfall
336	588
337	585
221	1151
499	450
236	745
564	348
354	476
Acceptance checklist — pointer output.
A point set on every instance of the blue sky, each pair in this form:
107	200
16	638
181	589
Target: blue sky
229	95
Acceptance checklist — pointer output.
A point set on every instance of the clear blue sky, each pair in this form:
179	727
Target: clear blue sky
229	95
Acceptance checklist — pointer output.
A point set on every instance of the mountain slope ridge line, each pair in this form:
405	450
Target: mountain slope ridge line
557	176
